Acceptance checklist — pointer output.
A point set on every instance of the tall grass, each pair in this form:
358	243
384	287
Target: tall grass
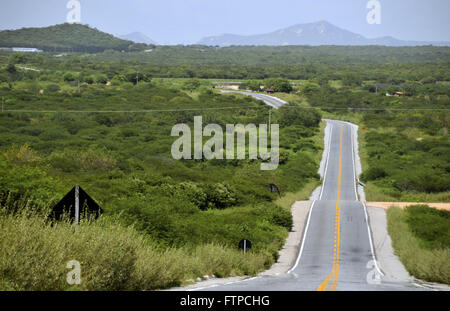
377	194
34	254
288	199
428	264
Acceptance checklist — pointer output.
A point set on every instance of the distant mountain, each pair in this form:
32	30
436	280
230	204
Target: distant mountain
138	37
66	37
319	33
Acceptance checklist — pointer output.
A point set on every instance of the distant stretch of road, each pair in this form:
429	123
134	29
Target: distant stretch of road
336	252
267	99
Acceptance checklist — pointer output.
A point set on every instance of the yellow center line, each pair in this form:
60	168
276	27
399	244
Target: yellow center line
337	229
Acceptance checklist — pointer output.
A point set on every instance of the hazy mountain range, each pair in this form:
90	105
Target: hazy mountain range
318	33
82	38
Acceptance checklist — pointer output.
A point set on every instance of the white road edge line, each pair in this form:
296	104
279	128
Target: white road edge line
306	229
365	208
215	285
370	240
303	240
353	159
326	164
423	286
263	97
312	205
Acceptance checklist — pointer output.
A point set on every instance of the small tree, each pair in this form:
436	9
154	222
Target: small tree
11	68
88	79
278	85
18	58
135	77
253	85
69	77
102	79
309	89
191	84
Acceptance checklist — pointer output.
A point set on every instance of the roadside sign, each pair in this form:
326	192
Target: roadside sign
274	188
76	203
245	245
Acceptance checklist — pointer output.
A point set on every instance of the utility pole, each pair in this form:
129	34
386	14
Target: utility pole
78	85
137	77
270	117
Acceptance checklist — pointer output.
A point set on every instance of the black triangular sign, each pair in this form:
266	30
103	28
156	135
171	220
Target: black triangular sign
66	206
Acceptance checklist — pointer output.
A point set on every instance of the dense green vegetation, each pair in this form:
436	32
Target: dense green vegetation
125	159
34	255
429	225
405	142
285	55
104	120
420	237
400	164
115	141
66	38
352	64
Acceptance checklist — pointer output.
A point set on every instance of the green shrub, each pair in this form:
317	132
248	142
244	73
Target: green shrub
428	264
52	88
431	226
34	255
373	173
191	84
91	159
220	196
69	77
101	79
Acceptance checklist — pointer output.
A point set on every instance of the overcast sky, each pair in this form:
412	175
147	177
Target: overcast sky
187	21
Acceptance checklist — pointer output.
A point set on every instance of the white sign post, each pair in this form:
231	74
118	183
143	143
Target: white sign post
77	204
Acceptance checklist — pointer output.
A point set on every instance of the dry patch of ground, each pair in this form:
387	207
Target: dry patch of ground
386	205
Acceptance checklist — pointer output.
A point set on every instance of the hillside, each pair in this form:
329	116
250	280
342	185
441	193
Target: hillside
318	33
66	37
138	37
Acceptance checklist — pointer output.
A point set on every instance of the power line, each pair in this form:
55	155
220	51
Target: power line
223	108
129	111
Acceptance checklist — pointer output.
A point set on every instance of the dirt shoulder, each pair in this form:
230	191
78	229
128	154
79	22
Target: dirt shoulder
289	252
391	266
386	205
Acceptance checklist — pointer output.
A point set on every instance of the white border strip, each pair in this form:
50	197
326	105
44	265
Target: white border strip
353	159
216	285
303	240
370	240
326	164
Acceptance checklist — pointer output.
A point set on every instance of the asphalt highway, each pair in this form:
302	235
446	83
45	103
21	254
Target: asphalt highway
336	252
267	99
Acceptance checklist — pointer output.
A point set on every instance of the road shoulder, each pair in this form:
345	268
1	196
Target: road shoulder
388	262
289	252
